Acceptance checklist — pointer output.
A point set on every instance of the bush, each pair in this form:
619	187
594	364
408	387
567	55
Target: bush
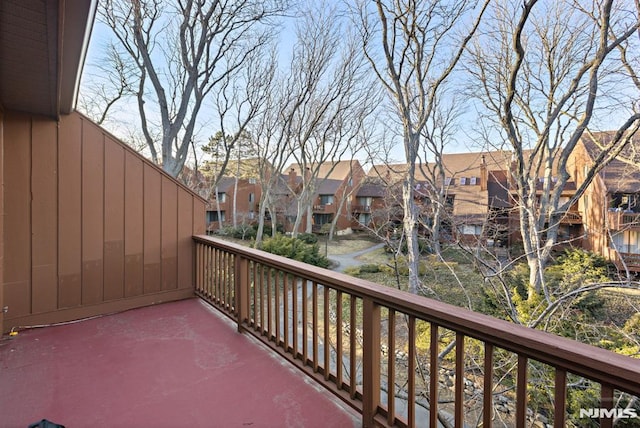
267	229
296	249
243	231
309	238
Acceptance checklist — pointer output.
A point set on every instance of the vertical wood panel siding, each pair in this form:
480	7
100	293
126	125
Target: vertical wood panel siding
152	231
70	212
133	248
92	214
17	193
90	226
1	211
44	191
113	221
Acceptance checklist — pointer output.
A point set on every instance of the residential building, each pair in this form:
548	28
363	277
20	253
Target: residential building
468	179
611	204
231	198
333	193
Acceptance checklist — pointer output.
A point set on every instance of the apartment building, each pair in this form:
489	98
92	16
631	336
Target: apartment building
482	202
611	204
334	192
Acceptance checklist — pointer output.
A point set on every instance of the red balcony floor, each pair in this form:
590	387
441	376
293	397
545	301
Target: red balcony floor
172	365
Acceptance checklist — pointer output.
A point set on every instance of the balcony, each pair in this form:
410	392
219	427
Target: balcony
361	208
624	261
572	217
324	208
621	220
183	364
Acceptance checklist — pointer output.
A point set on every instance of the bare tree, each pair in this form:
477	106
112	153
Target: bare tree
331	96
174	56
541	78
413	48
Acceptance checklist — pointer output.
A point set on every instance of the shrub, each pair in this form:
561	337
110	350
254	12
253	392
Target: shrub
296	249
309	238
243	231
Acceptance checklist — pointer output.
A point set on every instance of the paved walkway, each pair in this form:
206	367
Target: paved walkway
343	261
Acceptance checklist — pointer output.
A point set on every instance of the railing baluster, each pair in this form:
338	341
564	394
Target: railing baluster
370	361
606	402
261	298
327	338
285	309
434	372
411	373
225	279
269	305
314	325
255	294
198	266
487	393
559	401
521	392
352	345
242	291
391	367
295	321
217	275
305	323
459	386
276	291
339	361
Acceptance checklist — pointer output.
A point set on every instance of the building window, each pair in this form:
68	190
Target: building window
449	201
326	199
365	201
212	216
472	229
252	197
473	181
221	197
252	181
364	218
463	181
448	181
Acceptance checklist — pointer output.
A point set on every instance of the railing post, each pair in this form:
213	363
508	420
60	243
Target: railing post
241	279
370	361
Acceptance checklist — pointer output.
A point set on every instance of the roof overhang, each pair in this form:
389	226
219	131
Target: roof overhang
43	44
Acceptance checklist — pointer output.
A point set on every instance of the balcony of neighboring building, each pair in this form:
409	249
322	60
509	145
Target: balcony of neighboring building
325	204
622	220
624	211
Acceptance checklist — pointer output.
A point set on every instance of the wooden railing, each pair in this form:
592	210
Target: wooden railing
572	217
619	220
401	359
361	208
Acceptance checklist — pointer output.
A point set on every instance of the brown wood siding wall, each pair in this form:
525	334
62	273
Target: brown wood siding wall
90	226
1	216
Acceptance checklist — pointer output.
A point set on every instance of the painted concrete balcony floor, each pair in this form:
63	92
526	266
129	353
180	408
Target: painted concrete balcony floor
171	365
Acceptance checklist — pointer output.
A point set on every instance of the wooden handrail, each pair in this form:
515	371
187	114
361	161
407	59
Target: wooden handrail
566	356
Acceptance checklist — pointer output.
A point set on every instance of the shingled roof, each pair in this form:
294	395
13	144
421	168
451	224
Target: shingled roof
621	175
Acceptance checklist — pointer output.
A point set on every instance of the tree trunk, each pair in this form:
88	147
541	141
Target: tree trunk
411	234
